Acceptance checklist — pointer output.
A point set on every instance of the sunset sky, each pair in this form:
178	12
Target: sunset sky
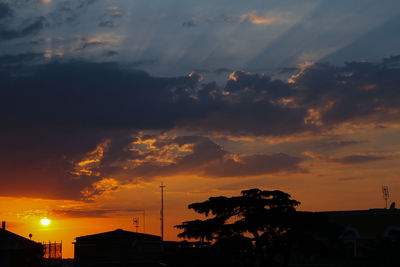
101	100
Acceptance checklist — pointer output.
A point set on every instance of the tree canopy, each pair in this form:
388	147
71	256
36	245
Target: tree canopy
260	219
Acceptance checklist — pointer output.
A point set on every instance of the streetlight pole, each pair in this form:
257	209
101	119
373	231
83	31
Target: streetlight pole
162	186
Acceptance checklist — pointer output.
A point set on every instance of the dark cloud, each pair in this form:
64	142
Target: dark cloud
249	104
348	159
112	96
67	126
5	11
194	22
88	43
91	213
90	95
357	159
251	165
191	155
68	13
12	62
68	164
288	70
107	23
189	24
143	62
355	93
257	85
110	18
30	27
392	62
83	94
223	19
223	70
40	162
110	53
328	145
349	179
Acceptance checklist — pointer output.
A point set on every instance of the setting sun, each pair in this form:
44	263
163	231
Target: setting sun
45	222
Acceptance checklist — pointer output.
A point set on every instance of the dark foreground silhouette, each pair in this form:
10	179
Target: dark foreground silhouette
255	229
263	228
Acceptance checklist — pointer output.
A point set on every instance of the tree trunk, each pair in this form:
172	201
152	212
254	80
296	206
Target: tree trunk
261	262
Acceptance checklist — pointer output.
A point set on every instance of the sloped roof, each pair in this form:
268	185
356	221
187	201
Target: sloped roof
370	212
117	234
9	240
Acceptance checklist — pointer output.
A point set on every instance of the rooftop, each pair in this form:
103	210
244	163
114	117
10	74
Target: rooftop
117	234
9	240
373	212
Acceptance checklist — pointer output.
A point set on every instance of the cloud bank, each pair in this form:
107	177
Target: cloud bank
77	129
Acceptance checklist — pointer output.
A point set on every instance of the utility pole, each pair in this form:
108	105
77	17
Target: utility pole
162	186
385	193
144	221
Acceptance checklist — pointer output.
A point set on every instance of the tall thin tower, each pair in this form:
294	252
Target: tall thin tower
162	186
385	192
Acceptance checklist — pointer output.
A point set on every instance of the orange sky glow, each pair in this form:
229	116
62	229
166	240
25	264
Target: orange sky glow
102	101
326	185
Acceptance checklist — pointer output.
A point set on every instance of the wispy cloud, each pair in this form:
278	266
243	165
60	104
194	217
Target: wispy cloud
351	159
357	159
90	212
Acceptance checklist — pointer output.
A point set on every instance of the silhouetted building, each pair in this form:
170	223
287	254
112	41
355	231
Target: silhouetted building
18	251
118	248
361	228
359	238
368	224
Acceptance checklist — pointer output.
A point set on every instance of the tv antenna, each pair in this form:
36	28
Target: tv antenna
385	193
162	186
136	223
136	220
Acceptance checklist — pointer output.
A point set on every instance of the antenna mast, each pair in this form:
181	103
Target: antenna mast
385	192
136	220
136	223
162	186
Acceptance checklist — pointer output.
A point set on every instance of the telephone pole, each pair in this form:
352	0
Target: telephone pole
162	186
385	193
144	221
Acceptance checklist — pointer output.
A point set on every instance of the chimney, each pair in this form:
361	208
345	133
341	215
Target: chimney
3	225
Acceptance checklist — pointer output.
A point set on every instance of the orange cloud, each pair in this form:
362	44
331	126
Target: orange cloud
265	19
112	8
101	189
91	160
302	68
